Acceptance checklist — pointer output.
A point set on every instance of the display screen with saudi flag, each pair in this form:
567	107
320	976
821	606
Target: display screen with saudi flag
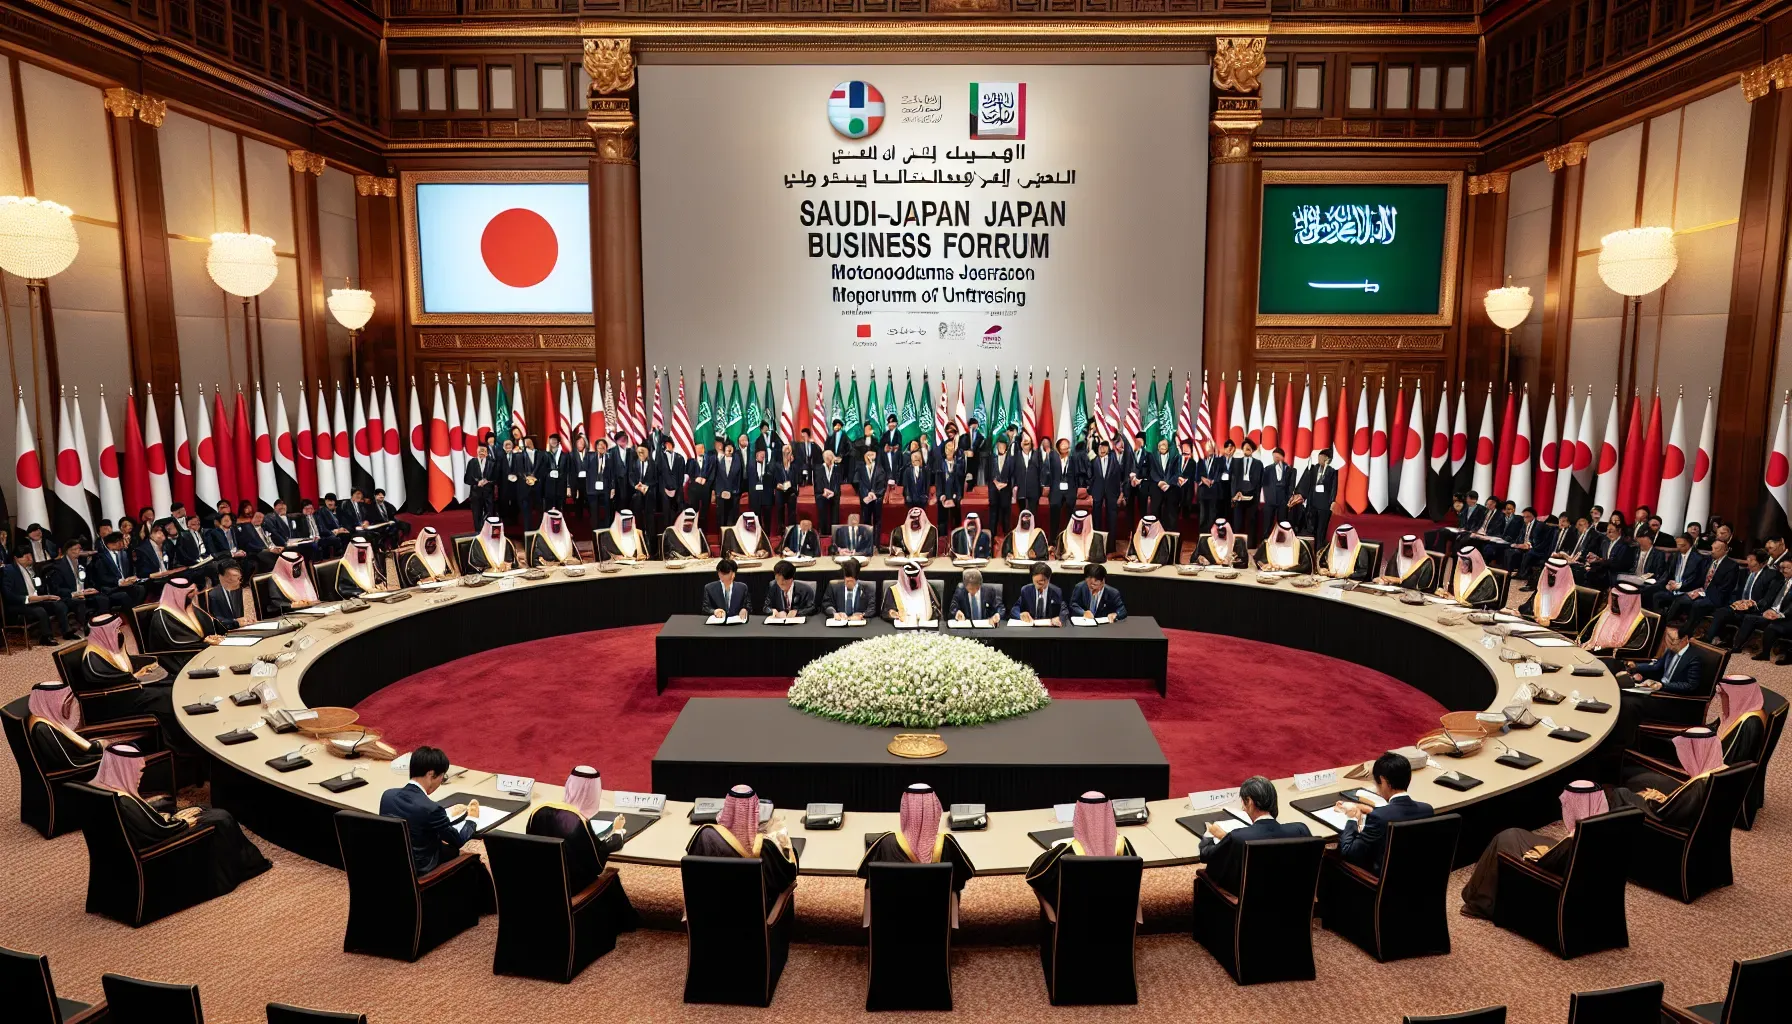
1352	249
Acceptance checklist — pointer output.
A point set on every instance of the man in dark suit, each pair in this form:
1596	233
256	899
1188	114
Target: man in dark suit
730	474
1316	494
1705	592
839	442
228	602
917	482
801	540
1223	852
977	601
763	478
847	598
700	479
829	482
113	573
1685	564
1757	589
891	438
1061	487
1246	484
554	469
853	538
437	833
602	468
668	489
1769	616
639	482
1650	560
1278	487
724	597
1029	477
805	453
191	552
152	557
786	598
1094	599
67	578
1529	543
220	537
1676	671
972	446
480	480
949	488
304	534
1364	841
42	547
1211	494
1106	482
1000	487
1040	600
251	537
1135	462
1582	543
278	527
30	601
871	482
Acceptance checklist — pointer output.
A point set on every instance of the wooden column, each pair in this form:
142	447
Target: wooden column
314	315
615	207
1746	404
379	234
1482	348
1567	165
1234	210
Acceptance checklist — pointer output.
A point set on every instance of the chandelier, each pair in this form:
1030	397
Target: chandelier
37	238
1637	261
1507	307
352	307
242	264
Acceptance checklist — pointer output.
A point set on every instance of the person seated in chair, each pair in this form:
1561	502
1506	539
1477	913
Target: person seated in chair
801	540
1666	798
571	821
854	539
491	551
1282	551
1094	599
725	597
1364	841
1223	852
847	599
357	571
1093	833
910	599
1770	618
115	574
1025	543
1474	583
1582	799
916	537
736	833
30	602
232	860
1555	602
437	832
1620	628
427	561
1219	546
1345	558
1040	600
1677	670
972	541
746	538
1151	543
53	724
977	601
228	601
921	838
786	598
106	665
177	628
684	539
1409	567
293	585
553	543
1619	557
1080	541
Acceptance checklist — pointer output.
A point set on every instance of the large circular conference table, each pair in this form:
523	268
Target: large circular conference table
353	654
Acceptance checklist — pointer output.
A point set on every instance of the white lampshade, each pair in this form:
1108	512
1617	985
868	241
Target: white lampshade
1636	261
1507	307
243	265
352	307
37	239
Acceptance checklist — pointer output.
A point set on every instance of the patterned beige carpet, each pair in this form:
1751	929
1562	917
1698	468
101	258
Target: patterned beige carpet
279	938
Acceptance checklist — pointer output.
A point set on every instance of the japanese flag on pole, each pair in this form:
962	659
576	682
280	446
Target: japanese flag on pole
324	443
1356	493
441	488
183	458
304	447
469	442
267	484
1378	450
1518	483
457	426
1565	451
394	457
68	499
1411	451
223	451
1439	480
1303	431
155	457
1671	502
416	463
111	495
1484	450
1322	424
344	448
517	419
1698	499
485	425
1605	463
89	479
361	472
1770	520
1272	434
28	474
286	469
1549	455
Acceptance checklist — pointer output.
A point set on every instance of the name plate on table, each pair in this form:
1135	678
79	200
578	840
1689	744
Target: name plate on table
646	803
1209	799
516	785
1305	781
1527	669
787	621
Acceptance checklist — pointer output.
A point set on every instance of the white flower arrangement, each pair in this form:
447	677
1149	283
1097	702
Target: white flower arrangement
917	680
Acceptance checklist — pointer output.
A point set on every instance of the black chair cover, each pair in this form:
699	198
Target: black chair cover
910	963
131	1001
737	951
1087	953
1686	865
1631	1004
1400	913
393	913
1265	931
1581	910
545	930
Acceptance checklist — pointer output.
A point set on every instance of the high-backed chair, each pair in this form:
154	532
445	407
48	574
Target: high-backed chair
25	978
325	580
1486	1015
392	911
461	543
40	805
527	548
545	930
1630	1004
1087	932
939	594
1775	707
132	1001
1400	912
131	885
910	963
1685	709
113	705
1580	910
281	1013
1687	864
139	618
737	949
1759	989
1265	931
1586	605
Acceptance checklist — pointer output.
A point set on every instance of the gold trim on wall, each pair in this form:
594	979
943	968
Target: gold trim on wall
1447	283
1568	154
413	278
1024	33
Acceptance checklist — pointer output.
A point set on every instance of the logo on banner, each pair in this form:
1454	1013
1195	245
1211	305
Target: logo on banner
855	109
992	337
998	110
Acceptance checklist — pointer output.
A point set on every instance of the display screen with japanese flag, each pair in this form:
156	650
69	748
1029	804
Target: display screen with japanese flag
504	248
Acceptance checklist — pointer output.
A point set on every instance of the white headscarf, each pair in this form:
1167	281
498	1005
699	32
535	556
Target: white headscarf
1410	556
1022	535
689	537
973	529
1221	543
1282	547
1342	561
553	527
359	562
175	596
1470	568
491	541
627	538
913	598
292	579
747	532
1145	538
914	531
436	560
1078	536
1554	589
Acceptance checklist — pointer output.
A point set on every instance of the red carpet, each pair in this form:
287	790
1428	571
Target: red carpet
1235	707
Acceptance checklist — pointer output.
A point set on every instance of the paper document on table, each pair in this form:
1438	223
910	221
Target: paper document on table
1333	817
438	584
486	818
1085	621
1276	574
789	620
917	623
1228	824
833	623
259	627
317	609
1435	599
959	624
1380	588
239	641
857	622
1547	640
982	624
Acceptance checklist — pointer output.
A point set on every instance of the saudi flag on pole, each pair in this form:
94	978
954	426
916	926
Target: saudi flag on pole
873	414
737	412
994	424
837	405
924	413
909	422
977	408
1015	411
1151	423
1079	418
1166	411
853	417
753	412
501	418
890	406
706	413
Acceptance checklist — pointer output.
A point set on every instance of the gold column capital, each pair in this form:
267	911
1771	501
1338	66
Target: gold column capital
610	63
1493	182
122	102
305	163
1775	74
1568	154
1238	63
372	185
612	123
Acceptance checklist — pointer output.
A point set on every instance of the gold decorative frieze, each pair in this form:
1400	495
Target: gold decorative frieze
1350	343
1287	342
305	163
1238	63
372	185
967	6
121	102
612	123
434	342
1775	74
610	64
1568	154
568	341
1230	147
1493	182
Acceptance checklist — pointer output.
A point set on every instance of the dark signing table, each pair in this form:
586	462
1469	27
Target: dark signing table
794	759
690	645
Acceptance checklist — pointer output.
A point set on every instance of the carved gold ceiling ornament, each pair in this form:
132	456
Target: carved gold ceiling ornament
612	123
1568	154
1493	182
1238	63
373	185
303	162
1230	147
610	63
152	111
122	102
1775	74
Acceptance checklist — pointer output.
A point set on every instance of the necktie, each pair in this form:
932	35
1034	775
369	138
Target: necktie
852	592
1669	672
974	606
1042	604
1709	573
